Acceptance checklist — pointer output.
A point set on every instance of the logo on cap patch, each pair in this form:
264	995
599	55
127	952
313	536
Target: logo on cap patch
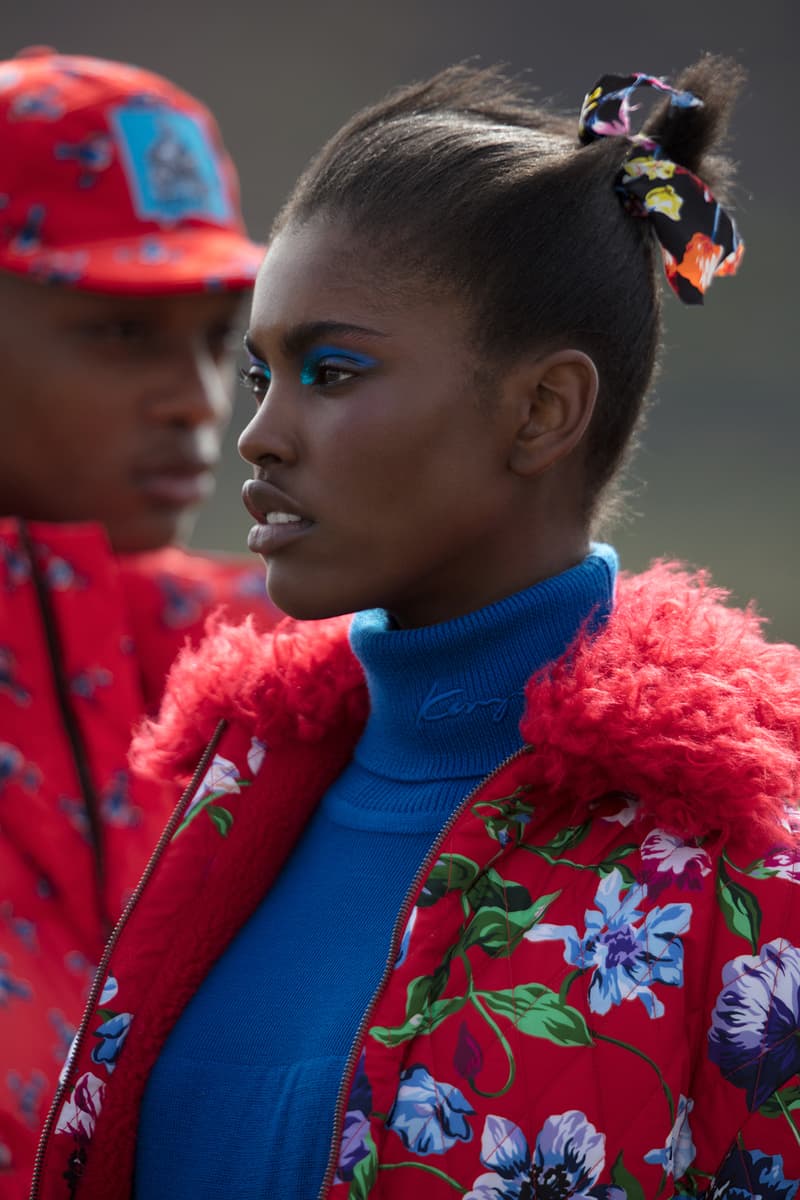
170	165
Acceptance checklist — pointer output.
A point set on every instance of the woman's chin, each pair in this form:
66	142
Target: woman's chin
305	604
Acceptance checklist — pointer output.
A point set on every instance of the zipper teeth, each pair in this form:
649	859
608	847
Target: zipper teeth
397	932
100	974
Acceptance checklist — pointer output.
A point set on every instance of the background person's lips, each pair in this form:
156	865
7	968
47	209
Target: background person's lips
179	486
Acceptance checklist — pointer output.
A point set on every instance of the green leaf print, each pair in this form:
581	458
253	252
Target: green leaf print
451	873
621	1176
221	818
740	908
440	977
419	1023
571	835
418	995
504	912
365	1173
204	805
505	819
774	1107
537	1011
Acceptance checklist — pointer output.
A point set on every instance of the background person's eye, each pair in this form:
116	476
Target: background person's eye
123	330
223	339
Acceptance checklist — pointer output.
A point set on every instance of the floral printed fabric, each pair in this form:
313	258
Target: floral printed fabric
496	1028
698	238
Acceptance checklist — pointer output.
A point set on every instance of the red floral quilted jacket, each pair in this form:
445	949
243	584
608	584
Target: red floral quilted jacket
593	986
86	640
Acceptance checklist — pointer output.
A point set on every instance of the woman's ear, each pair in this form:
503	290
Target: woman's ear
553	399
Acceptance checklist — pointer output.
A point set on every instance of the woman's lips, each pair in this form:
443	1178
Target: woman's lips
177	488
278	521
275	532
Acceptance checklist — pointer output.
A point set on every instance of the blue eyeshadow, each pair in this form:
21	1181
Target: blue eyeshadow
337	357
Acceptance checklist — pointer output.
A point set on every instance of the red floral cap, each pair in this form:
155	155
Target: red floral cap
114	180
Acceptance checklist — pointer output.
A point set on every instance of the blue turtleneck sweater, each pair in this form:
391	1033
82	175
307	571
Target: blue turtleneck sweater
241	1100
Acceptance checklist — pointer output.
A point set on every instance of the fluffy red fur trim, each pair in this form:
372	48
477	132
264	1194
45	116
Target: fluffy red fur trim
682	701
296	682
678	699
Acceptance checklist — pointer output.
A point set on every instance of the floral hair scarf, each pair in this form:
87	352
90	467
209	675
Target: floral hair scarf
698	238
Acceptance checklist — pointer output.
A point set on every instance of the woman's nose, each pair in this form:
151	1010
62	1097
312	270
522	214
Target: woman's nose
269	438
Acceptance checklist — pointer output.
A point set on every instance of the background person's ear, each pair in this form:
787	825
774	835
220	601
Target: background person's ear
553	398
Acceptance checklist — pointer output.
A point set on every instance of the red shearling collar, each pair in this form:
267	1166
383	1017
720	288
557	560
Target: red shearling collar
678	699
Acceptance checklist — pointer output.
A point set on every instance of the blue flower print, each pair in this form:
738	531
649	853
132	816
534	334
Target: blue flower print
9	684
748	1173
28	1093
355	1132
110	989
17	568
14	769
10	987
626	954
113	1033
406	942
182	602
115	807
566	1162
679	1150
65	1032
429	1116
755	1026
86	684
61	576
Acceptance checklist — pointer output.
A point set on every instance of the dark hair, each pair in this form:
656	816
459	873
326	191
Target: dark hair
466	180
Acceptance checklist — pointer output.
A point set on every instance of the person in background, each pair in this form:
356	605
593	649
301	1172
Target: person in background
124	263
491	889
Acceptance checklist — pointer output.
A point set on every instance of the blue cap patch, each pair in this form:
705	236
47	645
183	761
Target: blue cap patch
170	165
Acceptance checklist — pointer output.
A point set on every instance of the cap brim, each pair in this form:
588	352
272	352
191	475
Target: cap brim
186	260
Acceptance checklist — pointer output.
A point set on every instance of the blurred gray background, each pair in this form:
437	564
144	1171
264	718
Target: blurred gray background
716	481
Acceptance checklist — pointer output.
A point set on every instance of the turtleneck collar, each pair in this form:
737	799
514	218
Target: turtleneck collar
446	700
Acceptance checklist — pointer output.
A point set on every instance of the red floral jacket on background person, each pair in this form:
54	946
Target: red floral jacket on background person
86	640
593	986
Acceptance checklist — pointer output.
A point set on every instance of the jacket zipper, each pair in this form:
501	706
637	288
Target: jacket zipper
72	729
394	946
102	968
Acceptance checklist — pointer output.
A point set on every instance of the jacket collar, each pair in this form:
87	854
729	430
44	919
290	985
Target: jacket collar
678	700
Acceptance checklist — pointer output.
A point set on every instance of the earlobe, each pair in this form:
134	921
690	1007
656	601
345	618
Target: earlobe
554	398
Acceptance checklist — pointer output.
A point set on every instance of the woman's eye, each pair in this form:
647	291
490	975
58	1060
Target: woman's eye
329	374
326	374
256	380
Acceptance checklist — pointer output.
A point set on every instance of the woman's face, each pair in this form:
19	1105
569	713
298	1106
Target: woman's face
380	478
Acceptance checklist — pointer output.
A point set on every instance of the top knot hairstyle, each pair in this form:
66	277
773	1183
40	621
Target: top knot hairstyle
464	182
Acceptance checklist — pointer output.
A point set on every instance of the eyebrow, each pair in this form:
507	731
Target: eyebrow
295	341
